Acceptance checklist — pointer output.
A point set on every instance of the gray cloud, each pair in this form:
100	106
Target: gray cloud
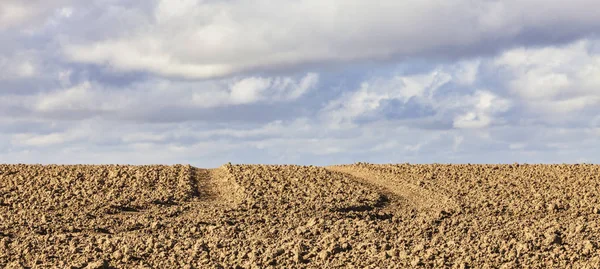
196	39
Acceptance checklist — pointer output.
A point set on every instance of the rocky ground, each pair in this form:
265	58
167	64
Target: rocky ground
259	216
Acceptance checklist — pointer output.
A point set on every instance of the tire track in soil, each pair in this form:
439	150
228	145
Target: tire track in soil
407	193
204	185
214	186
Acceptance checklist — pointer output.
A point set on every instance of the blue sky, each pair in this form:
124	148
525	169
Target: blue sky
305	81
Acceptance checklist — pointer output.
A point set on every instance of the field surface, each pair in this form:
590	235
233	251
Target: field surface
284	216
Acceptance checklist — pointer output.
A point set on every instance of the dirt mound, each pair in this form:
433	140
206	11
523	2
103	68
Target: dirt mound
93	188
256	216
298	189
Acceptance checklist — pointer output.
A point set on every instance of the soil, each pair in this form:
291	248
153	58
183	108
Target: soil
286	216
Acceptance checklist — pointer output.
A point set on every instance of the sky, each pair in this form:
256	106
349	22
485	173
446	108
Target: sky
311	82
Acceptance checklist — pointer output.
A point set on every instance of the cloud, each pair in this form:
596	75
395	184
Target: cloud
484	105
253	89
554	80
373	94
62	136
40	140
308	82
303	141
142	100
207	39
20	66
79	97
15	13
422	96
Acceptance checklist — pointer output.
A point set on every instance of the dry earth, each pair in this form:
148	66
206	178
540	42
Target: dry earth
257	216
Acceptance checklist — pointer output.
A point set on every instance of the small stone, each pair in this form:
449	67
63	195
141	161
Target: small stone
588	247
419	247
117	255
301	230
402	255
522	248
530	236
298	252
552	238
416	261
324	254
596	210
275	253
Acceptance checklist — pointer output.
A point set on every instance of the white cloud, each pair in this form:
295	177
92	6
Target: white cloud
248	90
467	71
466	106
372	93
39	140
95	98
256	89
66	12
481	109
204	39
82	131
476	110
14	13
253	89
75	98
19	66
554	80
85	97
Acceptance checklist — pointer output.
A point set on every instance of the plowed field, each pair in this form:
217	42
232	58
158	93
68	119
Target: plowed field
284	216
